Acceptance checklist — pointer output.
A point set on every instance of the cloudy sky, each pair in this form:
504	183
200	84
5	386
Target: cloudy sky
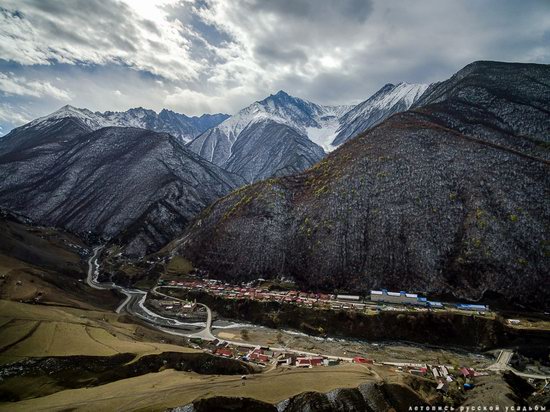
220	55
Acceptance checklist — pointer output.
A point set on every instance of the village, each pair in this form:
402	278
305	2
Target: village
274	357
443	375
378	300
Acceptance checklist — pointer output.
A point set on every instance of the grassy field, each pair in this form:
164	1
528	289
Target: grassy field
45	265
178	266
169	388
39	331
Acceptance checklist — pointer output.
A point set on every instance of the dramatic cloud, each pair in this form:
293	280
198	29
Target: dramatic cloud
218	55
138	34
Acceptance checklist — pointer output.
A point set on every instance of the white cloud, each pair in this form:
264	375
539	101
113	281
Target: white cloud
195	102
134	33
13	115
220	55
12	85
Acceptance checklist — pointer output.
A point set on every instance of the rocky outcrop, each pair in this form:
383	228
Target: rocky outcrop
435	200
225	403
138	186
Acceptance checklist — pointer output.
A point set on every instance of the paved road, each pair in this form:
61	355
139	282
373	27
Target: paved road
134	303
502	364
205	333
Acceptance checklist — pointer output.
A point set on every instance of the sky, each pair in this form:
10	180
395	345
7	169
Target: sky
210	56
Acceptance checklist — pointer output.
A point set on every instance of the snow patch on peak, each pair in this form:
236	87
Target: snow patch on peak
390	99
176	124
86	116
316	121
406	92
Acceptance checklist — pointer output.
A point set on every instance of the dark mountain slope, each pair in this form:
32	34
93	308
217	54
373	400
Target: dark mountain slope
502	103
47	137
143	184
422	202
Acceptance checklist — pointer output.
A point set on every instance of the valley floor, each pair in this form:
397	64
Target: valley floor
59	351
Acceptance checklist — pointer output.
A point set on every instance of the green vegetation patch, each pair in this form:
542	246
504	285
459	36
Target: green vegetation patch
179	266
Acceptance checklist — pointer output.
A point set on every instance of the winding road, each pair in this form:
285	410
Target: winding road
134	305
205	333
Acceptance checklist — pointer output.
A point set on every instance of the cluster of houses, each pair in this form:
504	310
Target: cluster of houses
177	308
265	356
380	299
229	291
443	375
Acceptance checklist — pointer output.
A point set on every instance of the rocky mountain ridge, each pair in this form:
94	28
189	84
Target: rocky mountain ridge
288	123
390	99
179	125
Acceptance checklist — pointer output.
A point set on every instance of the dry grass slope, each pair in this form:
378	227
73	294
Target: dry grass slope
40	331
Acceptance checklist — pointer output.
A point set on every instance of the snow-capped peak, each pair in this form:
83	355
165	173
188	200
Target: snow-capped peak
300	114
91	119
402	92
390	99
167	121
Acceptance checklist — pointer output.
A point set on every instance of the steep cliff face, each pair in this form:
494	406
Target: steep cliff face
441	199
139	185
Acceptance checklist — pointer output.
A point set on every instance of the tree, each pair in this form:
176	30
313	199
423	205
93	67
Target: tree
244	334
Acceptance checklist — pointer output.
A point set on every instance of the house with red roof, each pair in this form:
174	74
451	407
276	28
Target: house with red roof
359	359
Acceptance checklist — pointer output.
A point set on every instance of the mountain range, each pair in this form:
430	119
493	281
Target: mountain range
136	184
276	125
81	159
438	188
257	142
449	198
179	125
